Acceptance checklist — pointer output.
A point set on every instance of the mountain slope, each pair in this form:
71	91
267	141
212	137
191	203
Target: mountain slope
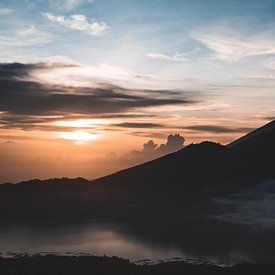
265	130
256	151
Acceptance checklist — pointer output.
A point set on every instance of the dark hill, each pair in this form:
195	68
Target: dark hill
256	151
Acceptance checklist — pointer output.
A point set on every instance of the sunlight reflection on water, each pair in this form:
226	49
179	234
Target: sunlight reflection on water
94	239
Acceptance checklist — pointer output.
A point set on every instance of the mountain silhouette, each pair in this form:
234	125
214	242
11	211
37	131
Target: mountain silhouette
257	149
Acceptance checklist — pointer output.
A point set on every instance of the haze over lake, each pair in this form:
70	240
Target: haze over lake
113	240
92	238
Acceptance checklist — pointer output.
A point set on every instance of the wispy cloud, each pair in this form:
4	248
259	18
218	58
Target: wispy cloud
139	125
68	4
4	11
233	46
269	63
78	22
217	129
176	57
26	37
263	77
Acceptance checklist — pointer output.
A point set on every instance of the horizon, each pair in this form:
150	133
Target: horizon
90	87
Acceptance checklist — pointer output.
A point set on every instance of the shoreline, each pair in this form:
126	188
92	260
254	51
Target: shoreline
111	265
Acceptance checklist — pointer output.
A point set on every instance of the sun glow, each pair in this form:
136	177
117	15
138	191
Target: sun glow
79	136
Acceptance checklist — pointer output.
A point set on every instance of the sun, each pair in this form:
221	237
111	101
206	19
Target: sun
82	126
79	136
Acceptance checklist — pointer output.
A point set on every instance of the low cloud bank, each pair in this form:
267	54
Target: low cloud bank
152	150
254	206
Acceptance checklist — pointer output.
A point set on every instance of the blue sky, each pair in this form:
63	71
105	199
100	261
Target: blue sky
190	38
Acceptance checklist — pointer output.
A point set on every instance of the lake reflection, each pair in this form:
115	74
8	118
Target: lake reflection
138	242
96	239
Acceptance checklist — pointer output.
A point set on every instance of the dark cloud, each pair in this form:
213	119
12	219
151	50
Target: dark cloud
217	129
31	98
126	115
18	70
26	102
270	118
139	125
149	135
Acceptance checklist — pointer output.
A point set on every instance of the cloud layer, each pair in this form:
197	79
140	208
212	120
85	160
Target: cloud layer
68	4
4	11
217	129
25	102
78	22
233	46
176	57
254	206
26	37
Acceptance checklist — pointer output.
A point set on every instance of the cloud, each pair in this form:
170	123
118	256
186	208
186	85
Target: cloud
24	102
269	118
79	22
57	59
139	125
230	45
151	150
217	129
149	135
259	77
176	57
149	147
253	206
269	63
8	143
174	142
26	37
4	11
68	4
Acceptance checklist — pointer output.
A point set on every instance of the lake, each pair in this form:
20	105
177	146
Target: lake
92	238
113	239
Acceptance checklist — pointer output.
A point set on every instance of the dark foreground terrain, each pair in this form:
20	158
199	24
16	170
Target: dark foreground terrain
80	265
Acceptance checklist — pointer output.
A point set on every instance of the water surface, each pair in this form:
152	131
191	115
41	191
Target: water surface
92	238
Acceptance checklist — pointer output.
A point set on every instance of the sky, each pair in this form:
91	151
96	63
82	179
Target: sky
88	87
